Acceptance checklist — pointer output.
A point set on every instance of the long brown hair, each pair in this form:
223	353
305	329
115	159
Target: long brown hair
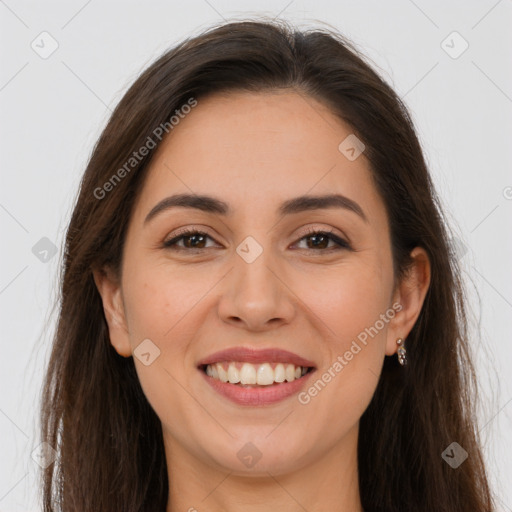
94	412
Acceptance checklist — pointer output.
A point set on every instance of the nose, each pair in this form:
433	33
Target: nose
255	295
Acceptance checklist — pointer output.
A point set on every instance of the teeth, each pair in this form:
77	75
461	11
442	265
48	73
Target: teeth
265	375
248	374
289	372
251	374
279	375
233	374
223	374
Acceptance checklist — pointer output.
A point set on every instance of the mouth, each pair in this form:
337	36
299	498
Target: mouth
251	375
256	377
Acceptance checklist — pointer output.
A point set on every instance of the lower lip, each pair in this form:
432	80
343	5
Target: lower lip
263	395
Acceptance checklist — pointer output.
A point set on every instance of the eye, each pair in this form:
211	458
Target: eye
192	239
317	240
320	240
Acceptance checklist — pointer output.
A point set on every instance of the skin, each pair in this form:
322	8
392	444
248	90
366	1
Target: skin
255	151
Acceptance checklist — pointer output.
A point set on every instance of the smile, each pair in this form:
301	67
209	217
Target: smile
247	374
256	377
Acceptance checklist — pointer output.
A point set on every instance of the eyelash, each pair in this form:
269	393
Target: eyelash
171	244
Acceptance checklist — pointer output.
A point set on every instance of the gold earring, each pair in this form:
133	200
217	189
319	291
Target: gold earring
401	352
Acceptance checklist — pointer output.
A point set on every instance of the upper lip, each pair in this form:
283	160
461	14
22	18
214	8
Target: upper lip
250	355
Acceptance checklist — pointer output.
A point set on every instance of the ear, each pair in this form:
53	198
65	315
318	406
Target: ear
113	305
410	294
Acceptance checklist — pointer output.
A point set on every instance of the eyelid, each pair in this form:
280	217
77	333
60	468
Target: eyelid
186	231
307	231
340	240
319	229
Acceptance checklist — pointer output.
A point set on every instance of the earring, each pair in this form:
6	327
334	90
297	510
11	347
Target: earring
401	352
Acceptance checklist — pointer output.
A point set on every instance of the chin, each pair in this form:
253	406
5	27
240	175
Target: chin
258	453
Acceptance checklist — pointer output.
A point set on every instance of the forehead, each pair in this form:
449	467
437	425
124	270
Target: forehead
258	149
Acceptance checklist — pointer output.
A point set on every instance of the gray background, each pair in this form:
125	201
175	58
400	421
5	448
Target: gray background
53	109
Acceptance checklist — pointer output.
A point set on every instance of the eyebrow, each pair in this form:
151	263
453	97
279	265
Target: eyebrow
296	205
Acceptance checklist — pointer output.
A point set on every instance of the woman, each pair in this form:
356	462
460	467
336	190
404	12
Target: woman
260	310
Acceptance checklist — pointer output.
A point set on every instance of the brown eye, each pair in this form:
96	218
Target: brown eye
192	239
315	240
319	240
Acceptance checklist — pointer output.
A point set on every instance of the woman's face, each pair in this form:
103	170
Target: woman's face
259	285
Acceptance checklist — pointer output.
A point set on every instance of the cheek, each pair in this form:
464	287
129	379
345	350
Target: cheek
348	301
160	307
352	308
157	306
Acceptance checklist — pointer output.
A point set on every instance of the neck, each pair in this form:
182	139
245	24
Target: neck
329	483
